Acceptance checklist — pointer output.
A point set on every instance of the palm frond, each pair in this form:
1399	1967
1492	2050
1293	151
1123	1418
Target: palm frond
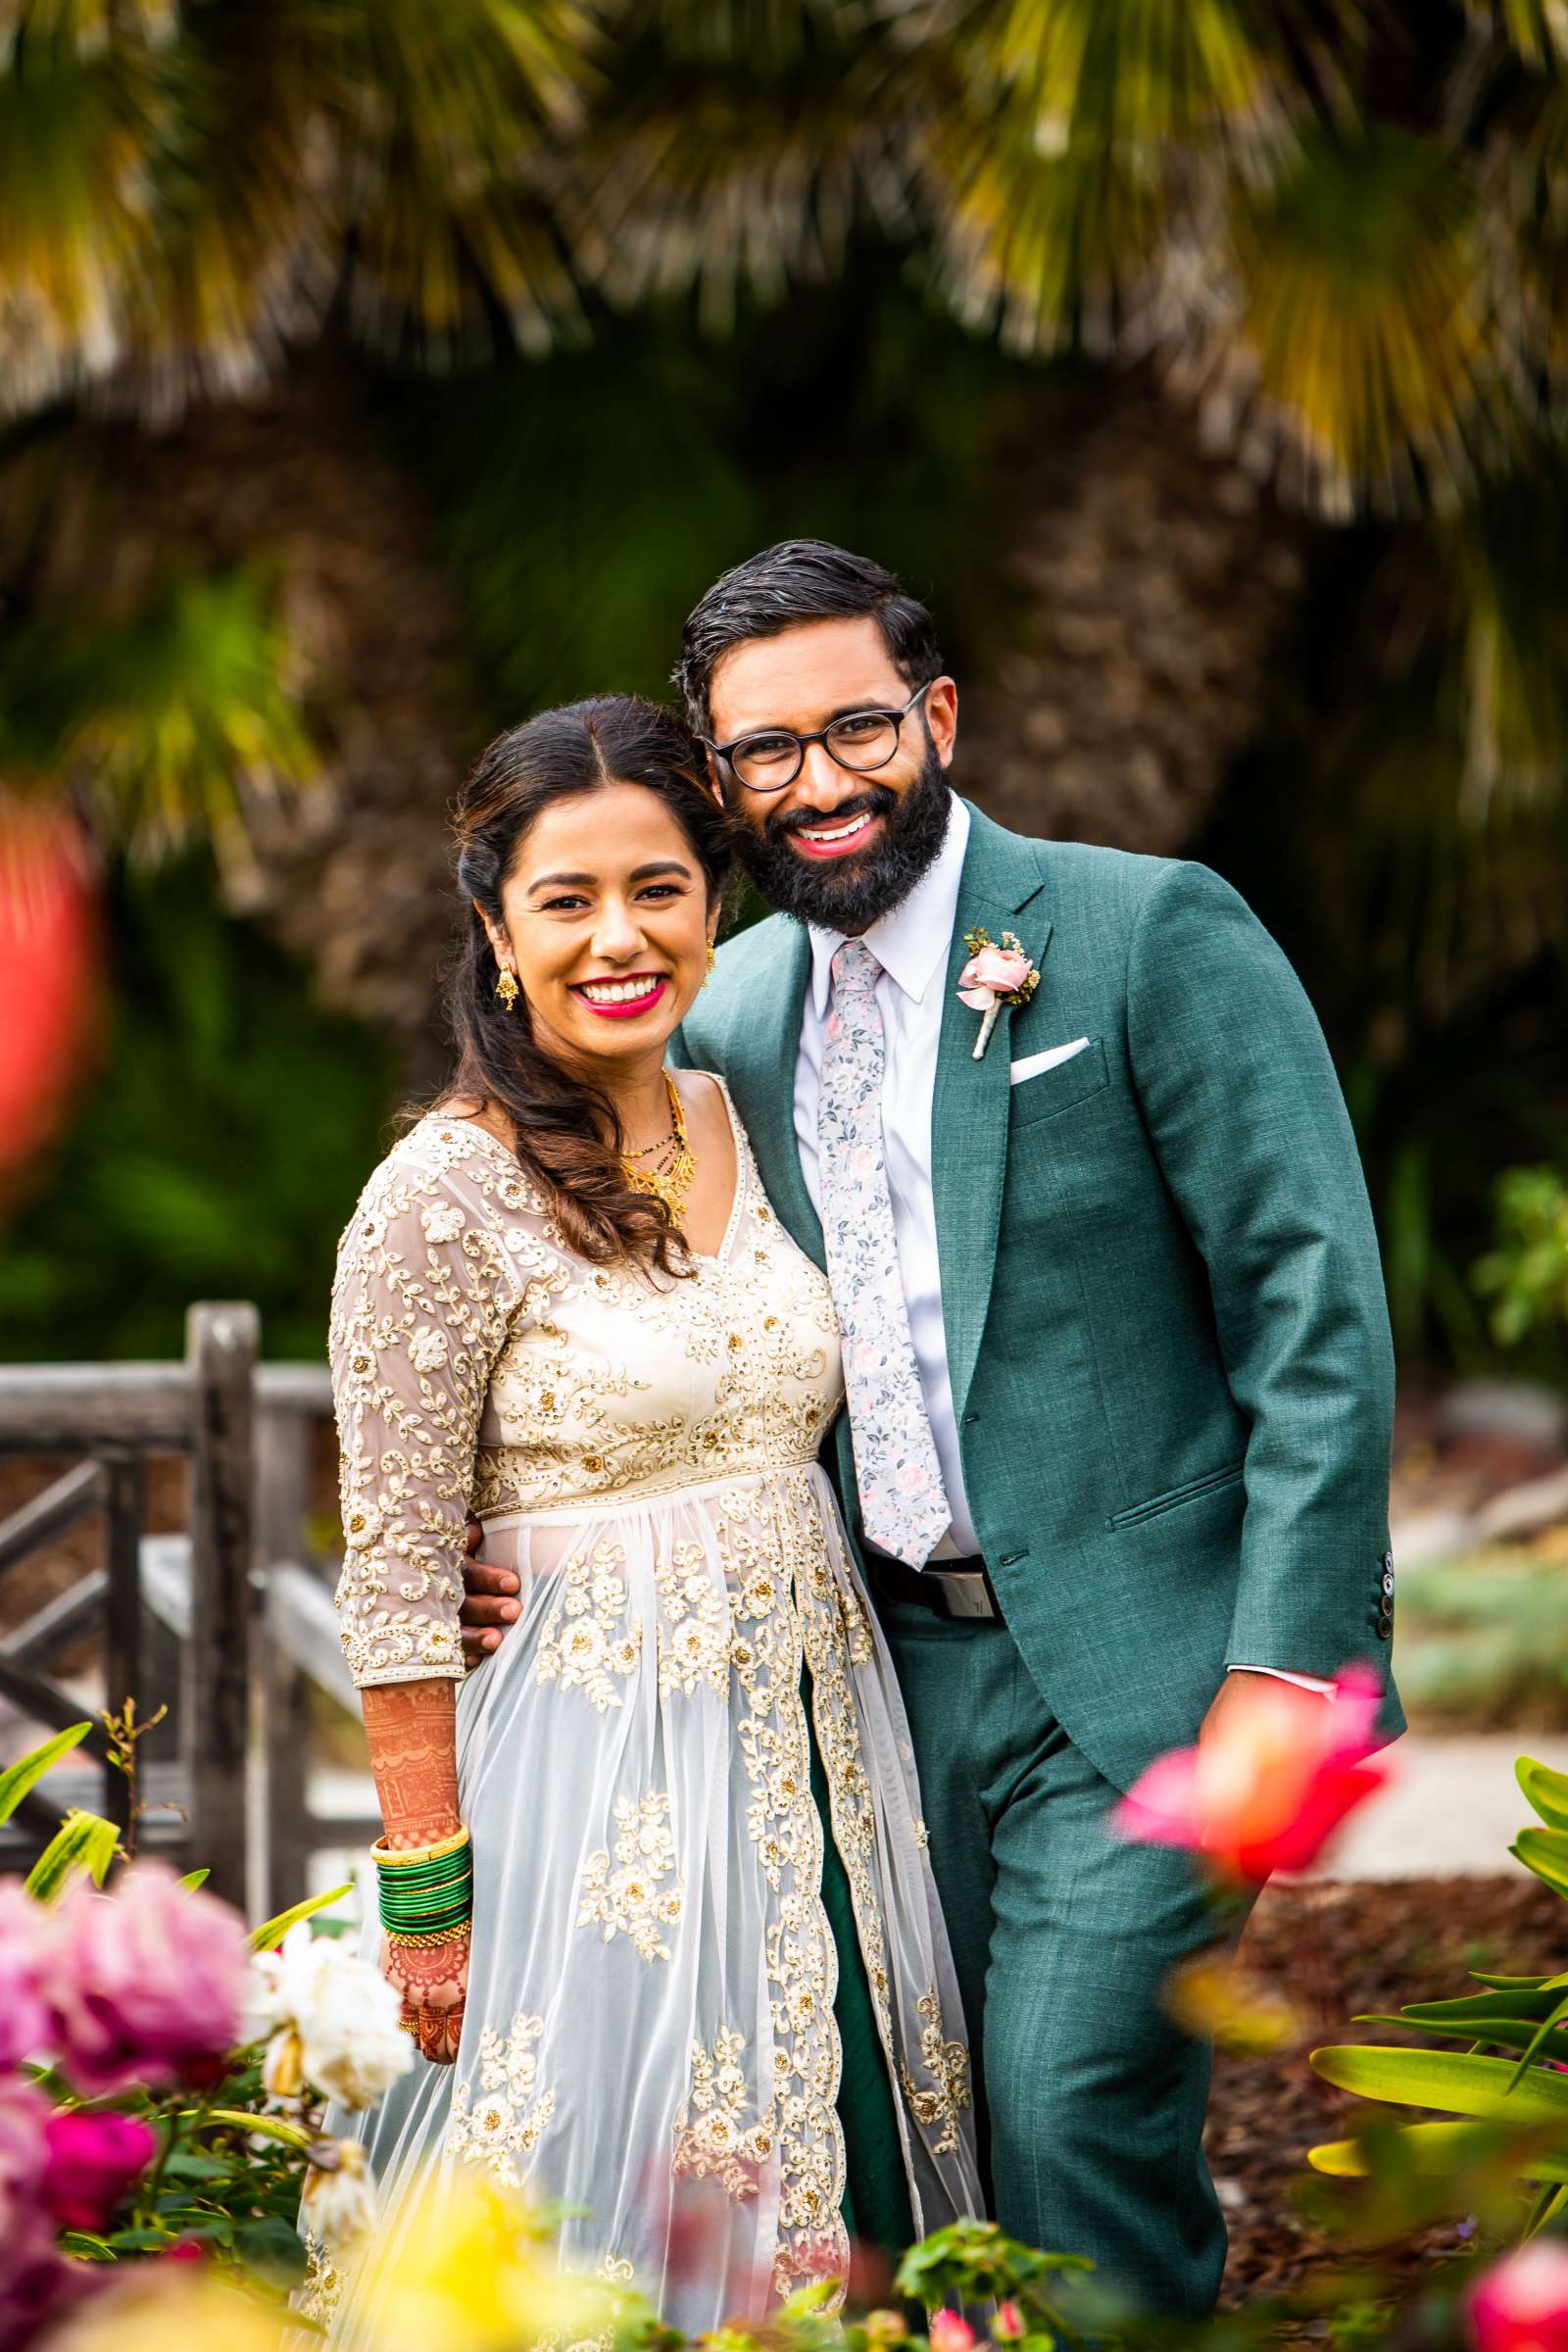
169	724
1536	30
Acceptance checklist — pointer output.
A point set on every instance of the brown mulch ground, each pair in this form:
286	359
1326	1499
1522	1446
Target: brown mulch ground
1335	1951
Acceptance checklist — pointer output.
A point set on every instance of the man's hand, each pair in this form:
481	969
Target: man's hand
1232	1692
489	1601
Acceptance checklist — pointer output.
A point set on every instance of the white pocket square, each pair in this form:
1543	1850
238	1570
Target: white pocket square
1033	1064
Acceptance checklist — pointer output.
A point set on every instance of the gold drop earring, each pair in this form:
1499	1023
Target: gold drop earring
713	957
506	987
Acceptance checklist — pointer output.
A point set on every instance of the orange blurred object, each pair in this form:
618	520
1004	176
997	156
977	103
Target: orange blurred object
1267	1790
48	965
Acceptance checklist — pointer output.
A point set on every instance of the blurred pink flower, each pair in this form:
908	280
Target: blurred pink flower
1267	1790
1521	2304
1009	2324
47	955
24	2152
92	2161
950	2332
23	2021
145	1983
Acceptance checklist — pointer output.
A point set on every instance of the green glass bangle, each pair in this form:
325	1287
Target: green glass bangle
438	1924
428	1888
434	1900
392	1915
411	1874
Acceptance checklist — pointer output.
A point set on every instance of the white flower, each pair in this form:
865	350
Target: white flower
339	2197
343	2010
427	1350
443	1222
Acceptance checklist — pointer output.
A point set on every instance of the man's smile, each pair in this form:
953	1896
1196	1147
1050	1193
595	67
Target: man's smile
838	838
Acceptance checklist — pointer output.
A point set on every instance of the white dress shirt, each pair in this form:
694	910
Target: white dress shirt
911	945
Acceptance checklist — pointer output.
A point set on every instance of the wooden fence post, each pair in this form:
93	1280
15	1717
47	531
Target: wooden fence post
221	1346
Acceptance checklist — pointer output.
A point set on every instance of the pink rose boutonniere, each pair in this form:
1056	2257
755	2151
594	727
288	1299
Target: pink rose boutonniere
994	977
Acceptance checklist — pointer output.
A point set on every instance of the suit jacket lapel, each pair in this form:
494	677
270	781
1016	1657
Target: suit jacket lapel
761	1068
970	1114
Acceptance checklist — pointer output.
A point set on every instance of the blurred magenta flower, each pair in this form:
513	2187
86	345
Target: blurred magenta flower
1521	2304
1009	2324
92	2161
47	960
23	2019
37	2282
145	1983
1267	1790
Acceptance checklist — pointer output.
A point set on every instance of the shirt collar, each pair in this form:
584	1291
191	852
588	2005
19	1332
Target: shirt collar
911	942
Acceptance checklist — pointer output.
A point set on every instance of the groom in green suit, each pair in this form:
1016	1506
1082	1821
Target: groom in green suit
1116	1353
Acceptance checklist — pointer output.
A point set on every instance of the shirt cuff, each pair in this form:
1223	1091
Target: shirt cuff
1302	1682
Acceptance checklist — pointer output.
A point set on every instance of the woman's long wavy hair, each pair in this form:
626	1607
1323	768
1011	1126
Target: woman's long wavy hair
565	1133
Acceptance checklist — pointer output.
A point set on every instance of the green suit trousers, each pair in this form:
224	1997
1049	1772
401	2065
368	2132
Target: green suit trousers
1090	2102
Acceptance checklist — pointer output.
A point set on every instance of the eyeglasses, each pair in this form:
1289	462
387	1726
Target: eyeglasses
860	740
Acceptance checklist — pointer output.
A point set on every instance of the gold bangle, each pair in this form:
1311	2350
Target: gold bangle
424	1943
386	1860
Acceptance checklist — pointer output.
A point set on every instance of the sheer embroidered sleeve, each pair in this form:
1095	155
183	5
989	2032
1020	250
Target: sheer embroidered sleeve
425	1299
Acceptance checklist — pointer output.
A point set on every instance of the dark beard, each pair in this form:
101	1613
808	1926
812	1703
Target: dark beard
854	895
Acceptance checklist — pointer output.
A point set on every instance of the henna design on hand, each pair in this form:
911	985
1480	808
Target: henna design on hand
411	1730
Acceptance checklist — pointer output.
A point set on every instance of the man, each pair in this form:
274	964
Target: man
1117	1355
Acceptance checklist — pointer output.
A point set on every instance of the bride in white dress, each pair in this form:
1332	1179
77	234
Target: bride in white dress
565	1303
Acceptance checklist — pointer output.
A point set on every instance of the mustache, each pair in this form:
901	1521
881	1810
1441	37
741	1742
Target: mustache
876	800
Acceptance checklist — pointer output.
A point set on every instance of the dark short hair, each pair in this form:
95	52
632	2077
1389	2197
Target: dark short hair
786	586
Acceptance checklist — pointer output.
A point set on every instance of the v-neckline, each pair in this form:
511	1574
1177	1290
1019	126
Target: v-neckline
703	1258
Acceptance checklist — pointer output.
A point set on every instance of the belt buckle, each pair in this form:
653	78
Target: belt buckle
966	1594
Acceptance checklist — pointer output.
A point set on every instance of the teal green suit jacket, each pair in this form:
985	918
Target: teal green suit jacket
1161	1289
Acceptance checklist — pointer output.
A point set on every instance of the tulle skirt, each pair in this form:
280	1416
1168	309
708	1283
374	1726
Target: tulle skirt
649	2033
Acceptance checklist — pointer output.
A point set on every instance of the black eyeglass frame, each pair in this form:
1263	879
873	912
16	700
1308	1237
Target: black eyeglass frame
726	751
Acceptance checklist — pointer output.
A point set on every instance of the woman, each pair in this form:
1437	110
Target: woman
564	1300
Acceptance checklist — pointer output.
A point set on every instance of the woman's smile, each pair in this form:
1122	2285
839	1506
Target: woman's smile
623	998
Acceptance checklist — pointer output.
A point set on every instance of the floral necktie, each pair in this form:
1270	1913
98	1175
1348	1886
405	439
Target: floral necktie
903	1505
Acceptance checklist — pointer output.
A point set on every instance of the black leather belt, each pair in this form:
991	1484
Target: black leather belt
947	1588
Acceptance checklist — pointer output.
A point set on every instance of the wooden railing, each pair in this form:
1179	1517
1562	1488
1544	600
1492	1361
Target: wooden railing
229	1623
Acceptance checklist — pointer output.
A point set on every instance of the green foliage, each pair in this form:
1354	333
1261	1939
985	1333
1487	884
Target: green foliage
218	1155
1527	1275
1518	2103
28	1770
83	1842
1483	1641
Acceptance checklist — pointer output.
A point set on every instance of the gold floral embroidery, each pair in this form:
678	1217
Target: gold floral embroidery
502	2125
598	1645
947	2064
424	1303
694	1636
713	2138
634	1900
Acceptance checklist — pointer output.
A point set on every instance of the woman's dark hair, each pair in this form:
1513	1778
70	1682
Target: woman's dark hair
786	586
565	1133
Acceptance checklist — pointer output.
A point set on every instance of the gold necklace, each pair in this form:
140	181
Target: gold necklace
674	1169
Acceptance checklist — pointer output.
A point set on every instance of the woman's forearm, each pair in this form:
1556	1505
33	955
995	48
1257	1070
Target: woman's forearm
412	1730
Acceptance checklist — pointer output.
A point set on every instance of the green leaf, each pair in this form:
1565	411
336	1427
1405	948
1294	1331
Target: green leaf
1504	2031
271	2246
140	2241
1451	2079
276	1929
195	1878
1546	1853
83	1842
270	2126
1435	2151
19	1778
87	2247
1472	2012
1546	1790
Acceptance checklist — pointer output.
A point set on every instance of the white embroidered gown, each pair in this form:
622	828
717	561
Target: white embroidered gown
649	2017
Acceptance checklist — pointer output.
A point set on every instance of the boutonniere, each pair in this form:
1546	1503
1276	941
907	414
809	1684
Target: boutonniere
995	977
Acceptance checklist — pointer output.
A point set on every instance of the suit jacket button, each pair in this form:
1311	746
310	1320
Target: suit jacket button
1387	1560
1385	1627
1388	1580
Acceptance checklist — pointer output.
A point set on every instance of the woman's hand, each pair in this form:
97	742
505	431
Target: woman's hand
434	1979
